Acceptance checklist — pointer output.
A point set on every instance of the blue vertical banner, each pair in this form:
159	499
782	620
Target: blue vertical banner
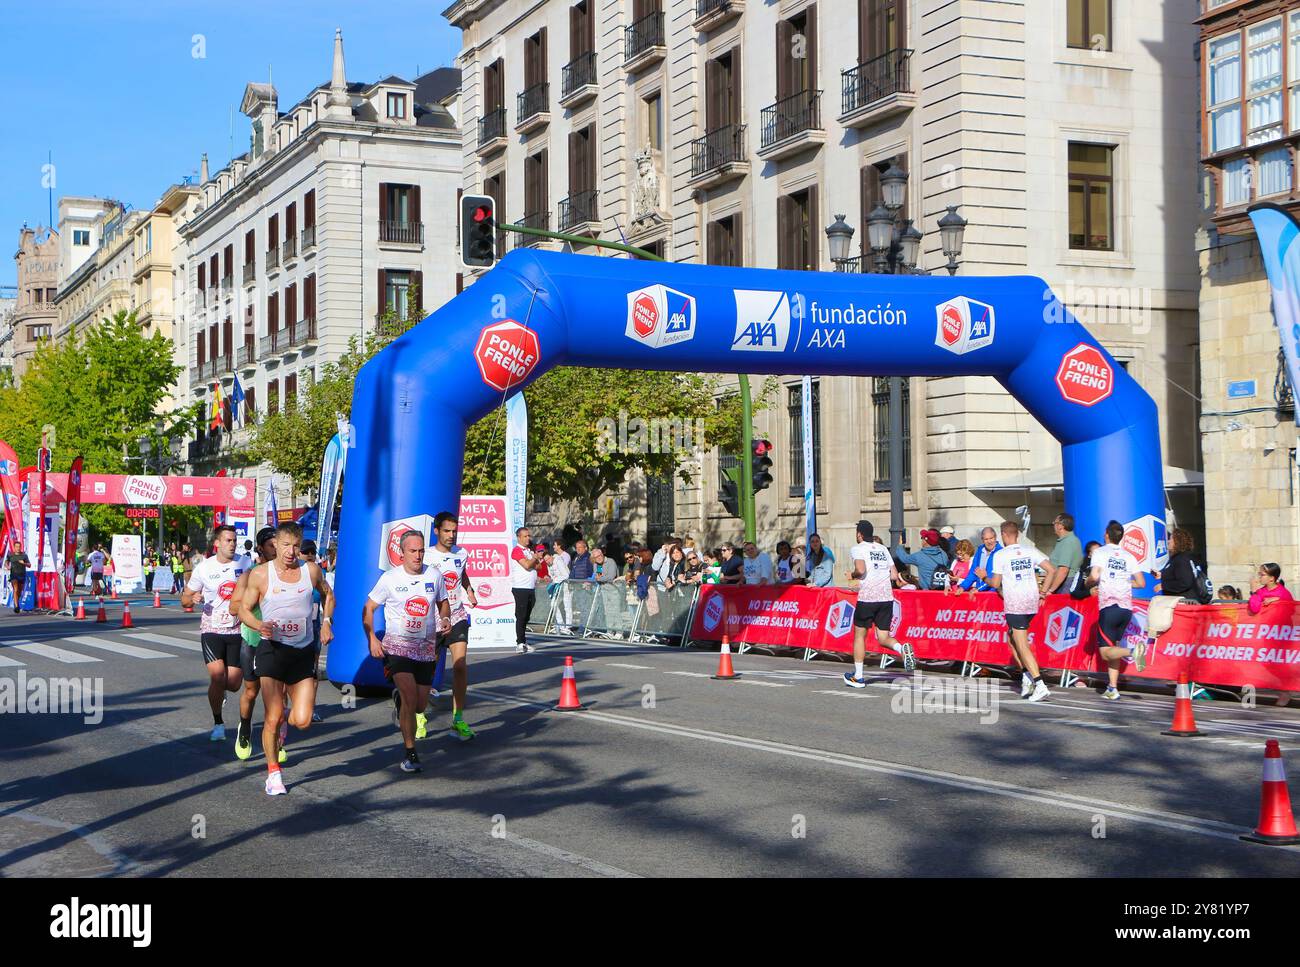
516	460
272	508
809	471
1279	244
331	474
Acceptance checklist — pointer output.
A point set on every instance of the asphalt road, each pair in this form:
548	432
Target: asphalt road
784	772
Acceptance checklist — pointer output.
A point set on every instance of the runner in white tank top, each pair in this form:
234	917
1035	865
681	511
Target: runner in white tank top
285	660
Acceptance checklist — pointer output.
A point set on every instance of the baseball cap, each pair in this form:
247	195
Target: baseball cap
946	530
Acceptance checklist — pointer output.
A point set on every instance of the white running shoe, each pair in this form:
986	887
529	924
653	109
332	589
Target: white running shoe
1041	692
218	733
1026	685
524	649
275	784
1111	694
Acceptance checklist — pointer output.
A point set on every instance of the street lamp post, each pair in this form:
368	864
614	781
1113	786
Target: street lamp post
895	247
151	452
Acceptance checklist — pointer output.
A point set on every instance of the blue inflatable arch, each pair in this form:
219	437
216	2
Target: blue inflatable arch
535	310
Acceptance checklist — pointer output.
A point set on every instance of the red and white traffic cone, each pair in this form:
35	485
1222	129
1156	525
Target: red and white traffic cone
725	672
102	616
1276	821
81	609
112	592
126	615
157	600
569	690
1184	720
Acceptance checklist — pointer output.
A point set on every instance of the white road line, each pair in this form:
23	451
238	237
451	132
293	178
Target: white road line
49	651
121	863
690	674
1113	810
117	647
1084	723
619	664
576	859
9	662
855	693
166	640
754	681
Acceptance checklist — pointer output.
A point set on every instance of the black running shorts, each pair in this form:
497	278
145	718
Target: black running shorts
421	670
879	613
1112	622
284	664
1019	622
221	648
459	632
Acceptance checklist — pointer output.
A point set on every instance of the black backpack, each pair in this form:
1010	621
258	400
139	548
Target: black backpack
1204	587
1078	588
941	579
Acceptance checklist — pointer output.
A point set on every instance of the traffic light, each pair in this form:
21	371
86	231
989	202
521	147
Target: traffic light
478	226
730	495
762	464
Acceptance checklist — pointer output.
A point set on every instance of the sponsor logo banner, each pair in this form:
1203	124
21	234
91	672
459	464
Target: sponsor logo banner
507	353
658	316
1084	376
762	321
964	325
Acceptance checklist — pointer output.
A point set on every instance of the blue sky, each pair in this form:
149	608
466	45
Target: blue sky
114	92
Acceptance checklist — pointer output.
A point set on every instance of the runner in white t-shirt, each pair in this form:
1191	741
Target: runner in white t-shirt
414	599
213	582
449	560
873	569
1116	572
1015	575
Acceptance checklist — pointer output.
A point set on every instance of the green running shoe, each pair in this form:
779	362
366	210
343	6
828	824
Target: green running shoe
461	730
243	747
421	726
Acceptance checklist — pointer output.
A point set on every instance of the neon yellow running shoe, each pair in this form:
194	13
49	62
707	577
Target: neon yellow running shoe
243	747
283	757
421	726
461	730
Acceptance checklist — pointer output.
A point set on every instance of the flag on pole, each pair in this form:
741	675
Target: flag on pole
215	422
237	402
272	511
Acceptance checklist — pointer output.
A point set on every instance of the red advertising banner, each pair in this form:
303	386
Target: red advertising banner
71	523
237	493
1213	644
482	515
11	495
488	569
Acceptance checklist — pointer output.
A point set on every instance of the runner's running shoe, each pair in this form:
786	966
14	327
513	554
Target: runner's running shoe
243	747
1041	691
275	784
421	726
283	756
854	682
1026	685
1111	694
410	764
218	733
909	656
461	730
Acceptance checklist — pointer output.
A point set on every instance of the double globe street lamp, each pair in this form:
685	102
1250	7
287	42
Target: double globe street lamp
895	245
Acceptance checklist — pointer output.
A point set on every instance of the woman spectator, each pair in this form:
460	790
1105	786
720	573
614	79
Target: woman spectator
1228	593
673	571
713	568
960	567
821	563
1181	576
1267	586
694	568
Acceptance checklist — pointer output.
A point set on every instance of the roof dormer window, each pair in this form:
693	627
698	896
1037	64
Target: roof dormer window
396	106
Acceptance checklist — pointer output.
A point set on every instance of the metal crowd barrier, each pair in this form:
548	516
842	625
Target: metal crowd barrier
612	611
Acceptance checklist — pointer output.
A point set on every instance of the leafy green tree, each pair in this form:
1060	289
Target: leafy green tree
102	390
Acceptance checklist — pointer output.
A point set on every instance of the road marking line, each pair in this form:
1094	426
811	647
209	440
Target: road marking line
619	664
1084	723
9	662
49	651
857	693
576	859
690	674
117	647
753	681
166	640
1113	810
122	864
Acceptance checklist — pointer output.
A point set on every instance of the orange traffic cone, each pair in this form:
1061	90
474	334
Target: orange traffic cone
112	592
102	616
81	609
1276	821
157	600
725	671
126	615
1184	721
569	690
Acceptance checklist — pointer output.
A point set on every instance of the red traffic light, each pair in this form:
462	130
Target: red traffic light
482	212
762	447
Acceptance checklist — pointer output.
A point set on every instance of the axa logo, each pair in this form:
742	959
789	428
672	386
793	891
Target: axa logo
762	321
713	613
964	325
659	316
839	619
1064	627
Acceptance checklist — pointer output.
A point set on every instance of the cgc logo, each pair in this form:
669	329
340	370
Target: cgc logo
659	316
839	619
964	325
713	613
762	321
1063	629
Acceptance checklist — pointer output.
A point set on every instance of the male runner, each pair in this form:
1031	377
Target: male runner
285	661
874	570
97	560
213	582
1116	573
449	559
247	651
1015	576
409	596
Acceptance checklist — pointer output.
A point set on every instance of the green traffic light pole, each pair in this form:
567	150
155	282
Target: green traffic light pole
746	405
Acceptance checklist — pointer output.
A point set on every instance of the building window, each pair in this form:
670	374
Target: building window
272	397
396	105
1091	197
1274	171
794	408
797	228
1264	82
536	201
1224	95
37	332
541	504
1088	24
81	236
1236	182
1293	68
880	410
397	293
148	238
725	241
654	121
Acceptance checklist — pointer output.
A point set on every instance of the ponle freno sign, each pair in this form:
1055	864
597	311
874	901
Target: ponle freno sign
147	491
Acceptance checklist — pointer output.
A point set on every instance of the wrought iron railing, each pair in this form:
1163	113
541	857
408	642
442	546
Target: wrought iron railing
289	248
578	209
411	233
308	237
579	72
791	116
890	73
646	33
719	147
272	258
532	101
492	125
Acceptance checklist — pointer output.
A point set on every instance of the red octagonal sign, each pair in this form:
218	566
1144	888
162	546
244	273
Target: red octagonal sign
507	353
1084	376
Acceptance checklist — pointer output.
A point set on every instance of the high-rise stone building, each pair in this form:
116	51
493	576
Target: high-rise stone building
733	132
35	315
1249	129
